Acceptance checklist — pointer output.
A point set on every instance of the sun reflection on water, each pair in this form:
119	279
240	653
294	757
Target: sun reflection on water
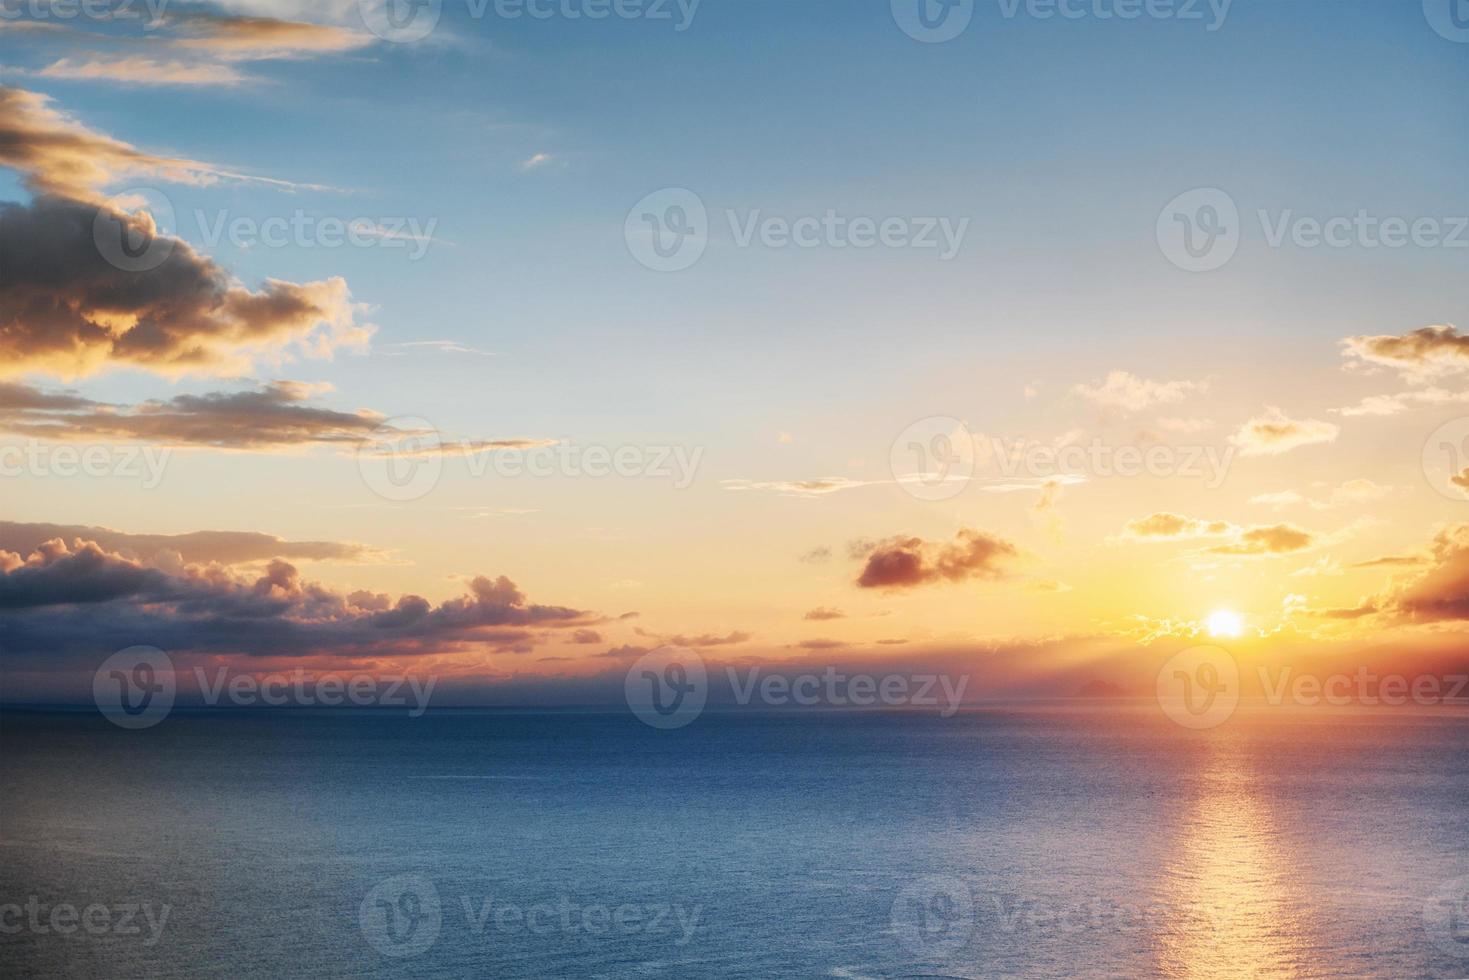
1229	890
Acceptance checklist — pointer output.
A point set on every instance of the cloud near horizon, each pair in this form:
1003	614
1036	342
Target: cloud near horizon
79	599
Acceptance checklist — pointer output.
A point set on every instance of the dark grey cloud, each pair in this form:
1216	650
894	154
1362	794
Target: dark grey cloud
196	548
67	311
66	601
278	414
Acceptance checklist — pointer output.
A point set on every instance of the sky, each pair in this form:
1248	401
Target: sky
1026	343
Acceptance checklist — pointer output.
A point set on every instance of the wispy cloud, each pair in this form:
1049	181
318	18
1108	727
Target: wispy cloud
1274	433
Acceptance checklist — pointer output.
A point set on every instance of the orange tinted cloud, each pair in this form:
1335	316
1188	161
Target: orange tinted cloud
904	563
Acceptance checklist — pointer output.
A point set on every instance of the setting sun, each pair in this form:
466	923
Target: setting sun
1223	622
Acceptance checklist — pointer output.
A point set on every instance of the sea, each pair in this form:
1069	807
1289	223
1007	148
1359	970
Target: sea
1009	840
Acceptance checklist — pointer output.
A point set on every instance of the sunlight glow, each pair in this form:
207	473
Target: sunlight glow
1223	622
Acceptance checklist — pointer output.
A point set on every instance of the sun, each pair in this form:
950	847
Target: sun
1223	622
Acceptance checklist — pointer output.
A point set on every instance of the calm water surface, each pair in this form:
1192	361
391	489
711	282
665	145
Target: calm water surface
1038	842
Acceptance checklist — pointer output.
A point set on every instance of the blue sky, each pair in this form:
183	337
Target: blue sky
525	143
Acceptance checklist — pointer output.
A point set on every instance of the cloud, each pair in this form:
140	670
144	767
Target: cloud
275	415
1169	526
246	38
705	640
68	312
78	599
1420	353
535	161
55	575
1387	405
1352	492
907	562
1418	356
1275	539
1127	393
441	347
60	157
820	644
1441	592
1044	509
1273	433
139	70
1367	607
799	488
823	614
199	547
187	48
1393	561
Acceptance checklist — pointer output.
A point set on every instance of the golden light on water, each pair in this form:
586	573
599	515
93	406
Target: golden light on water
1233	912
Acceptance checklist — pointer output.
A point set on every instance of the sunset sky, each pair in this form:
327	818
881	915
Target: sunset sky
1305	403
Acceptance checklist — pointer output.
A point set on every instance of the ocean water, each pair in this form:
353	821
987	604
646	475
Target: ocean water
1007	842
